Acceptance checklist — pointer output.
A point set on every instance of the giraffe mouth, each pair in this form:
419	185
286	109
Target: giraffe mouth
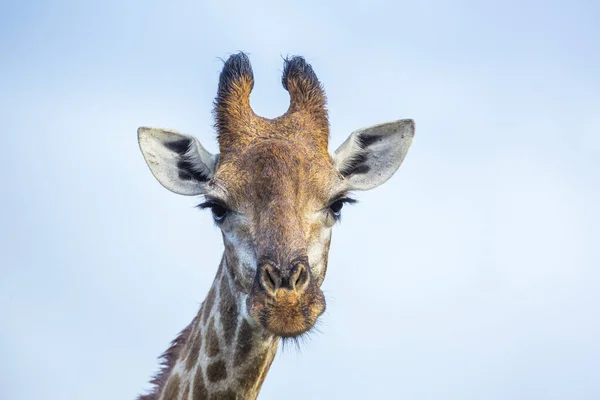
286	313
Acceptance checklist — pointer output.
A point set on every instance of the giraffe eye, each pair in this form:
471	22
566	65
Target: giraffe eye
336	207
219	211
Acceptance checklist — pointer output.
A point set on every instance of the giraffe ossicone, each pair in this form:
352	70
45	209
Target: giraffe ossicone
275	192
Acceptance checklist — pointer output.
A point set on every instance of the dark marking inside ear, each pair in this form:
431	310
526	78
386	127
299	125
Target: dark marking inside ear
188	171
179	146
367	140
356	166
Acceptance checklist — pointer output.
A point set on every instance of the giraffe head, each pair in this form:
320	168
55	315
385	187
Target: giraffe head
274	189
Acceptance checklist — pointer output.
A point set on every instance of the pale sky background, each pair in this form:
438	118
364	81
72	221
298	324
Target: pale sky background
472	274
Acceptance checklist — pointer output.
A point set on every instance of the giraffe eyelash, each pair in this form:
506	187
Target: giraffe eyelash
346	200
342	200
211	204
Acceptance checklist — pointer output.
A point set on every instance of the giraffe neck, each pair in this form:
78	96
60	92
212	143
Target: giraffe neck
222	354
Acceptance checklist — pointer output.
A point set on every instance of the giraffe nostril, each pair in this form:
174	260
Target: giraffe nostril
271	278
299	277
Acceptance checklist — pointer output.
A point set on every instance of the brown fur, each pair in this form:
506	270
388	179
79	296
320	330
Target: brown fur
195	344
237	125
244	343
208	304
212	340
199	392
217	371
250	376
224	395
186	392
229	310
265	369
172	388
242	283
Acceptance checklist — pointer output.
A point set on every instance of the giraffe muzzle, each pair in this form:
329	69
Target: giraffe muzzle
286	302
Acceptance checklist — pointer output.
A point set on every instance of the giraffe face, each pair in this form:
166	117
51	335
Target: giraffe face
274	189
276	204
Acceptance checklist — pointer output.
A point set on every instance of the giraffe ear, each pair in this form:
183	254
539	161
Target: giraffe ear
370	156
178	162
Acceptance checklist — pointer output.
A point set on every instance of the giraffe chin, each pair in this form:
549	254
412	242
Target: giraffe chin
286	314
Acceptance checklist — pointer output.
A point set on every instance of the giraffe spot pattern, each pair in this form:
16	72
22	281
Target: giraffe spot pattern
251	375
186	392
194	352
212	340
263	375
200	392
244	343
217	371
208	304
229	311
172	388
224	395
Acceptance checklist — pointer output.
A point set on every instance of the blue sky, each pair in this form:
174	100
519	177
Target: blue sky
472	274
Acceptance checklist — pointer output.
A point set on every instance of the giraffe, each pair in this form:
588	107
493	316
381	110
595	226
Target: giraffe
275	192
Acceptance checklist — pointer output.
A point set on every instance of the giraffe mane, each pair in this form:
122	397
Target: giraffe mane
167	362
